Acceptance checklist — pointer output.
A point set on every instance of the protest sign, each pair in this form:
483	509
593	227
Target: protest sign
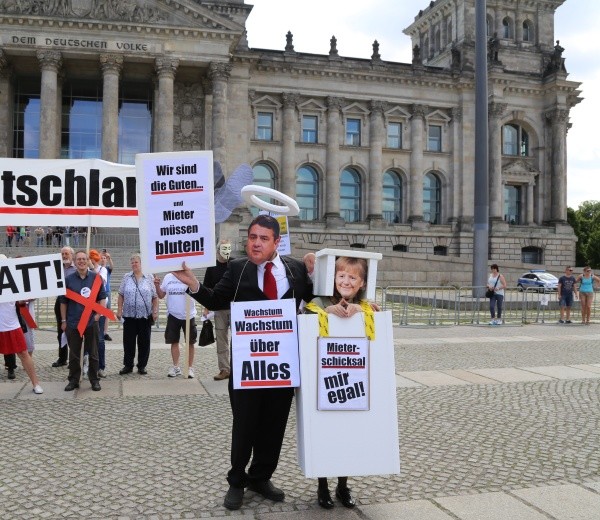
177	221
54	191
31	277
343	374
264	344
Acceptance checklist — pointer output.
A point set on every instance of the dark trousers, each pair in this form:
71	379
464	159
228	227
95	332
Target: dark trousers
90	337
101	343
259	420
63	353
10	361
136	329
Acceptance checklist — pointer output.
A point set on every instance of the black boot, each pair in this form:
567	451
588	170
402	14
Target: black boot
323	494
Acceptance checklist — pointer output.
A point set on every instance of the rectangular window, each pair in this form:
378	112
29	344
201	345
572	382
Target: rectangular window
26	119
434	138
264	130
309	129
353	132
394	135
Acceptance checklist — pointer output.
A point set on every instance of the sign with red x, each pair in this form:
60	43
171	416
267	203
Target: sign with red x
90	304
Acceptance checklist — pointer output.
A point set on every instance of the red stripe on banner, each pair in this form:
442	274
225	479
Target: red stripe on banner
67	211
264	332
177	255
270	316
342	366
175	191
26	315
264	354
266	383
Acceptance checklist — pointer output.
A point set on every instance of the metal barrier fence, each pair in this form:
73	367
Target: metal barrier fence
449	305
420	305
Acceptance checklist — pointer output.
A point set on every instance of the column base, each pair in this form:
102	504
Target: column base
376	222
334	221
417	223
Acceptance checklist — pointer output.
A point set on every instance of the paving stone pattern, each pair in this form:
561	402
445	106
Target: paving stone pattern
147	456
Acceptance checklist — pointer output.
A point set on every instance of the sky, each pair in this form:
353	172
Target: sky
357	23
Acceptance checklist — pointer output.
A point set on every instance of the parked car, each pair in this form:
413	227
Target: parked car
538	279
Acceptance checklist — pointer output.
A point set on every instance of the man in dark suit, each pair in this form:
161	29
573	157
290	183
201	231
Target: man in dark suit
259	415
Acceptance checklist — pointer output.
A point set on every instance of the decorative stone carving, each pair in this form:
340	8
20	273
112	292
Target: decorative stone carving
220	71
376	56
418	111
496	110
376	106
290	100
457	114
334	103
289	42
416	56
111	63
189	116
49	59
557	62
333	46
166	66
557	116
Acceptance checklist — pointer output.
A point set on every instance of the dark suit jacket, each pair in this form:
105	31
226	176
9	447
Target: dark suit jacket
240	283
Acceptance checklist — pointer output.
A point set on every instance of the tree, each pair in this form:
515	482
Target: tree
586	224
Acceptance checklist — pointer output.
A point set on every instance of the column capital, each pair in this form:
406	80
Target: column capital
290	100
557	116
218	70
377	107
418	111
166	66
334	103
496	109
49	60
111	63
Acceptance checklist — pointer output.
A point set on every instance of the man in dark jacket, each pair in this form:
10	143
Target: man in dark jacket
259	415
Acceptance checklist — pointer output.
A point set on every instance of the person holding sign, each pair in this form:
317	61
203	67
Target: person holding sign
347	300
259	414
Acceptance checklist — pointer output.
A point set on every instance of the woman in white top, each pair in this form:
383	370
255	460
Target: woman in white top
497	283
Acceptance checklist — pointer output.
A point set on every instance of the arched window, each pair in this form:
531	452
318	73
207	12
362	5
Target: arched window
515	140
263	176
527	31
432	199
392	197
489	24
507	28
307	192
350	195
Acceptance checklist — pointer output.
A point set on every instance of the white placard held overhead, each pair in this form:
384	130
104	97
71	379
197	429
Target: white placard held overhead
31	277
264	344
176	206
343	374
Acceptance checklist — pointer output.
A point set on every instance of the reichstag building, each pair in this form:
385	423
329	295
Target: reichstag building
378	154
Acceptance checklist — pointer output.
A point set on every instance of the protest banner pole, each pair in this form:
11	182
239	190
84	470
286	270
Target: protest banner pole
186	348
87	252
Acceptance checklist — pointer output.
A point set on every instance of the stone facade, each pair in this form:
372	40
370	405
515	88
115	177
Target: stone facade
212	92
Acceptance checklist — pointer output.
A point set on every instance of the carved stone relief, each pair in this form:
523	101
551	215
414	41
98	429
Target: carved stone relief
188	116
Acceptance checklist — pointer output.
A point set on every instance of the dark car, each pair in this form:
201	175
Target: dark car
538	279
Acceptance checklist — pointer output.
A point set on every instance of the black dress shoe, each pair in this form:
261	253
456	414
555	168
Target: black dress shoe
142	371
325	498
126	370
107	337
11	373
343	494
233	498
59	363
96	386
71	386
267	490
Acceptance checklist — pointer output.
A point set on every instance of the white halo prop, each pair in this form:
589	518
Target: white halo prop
290	206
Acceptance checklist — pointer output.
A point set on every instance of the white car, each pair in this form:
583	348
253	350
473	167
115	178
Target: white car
538	279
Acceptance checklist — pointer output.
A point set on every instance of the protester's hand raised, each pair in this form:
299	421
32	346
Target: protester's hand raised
186	276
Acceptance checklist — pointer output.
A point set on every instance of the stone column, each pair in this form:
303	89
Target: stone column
111	68
457	188
417	137
558	119
495	111
288	174
529	214
50	63
5	104
332	163
376	137
219	74
165	69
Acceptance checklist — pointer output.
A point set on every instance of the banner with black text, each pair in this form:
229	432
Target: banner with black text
31	277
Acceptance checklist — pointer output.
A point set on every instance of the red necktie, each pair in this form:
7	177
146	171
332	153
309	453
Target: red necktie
269	283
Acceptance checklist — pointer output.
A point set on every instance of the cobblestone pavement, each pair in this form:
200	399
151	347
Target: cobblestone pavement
143	449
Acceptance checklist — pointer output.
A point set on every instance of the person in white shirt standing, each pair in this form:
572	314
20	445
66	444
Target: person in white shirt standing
175	291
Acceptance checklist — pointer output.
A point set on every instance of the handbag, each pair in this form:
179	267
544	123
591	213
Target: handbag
490	292
207	336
